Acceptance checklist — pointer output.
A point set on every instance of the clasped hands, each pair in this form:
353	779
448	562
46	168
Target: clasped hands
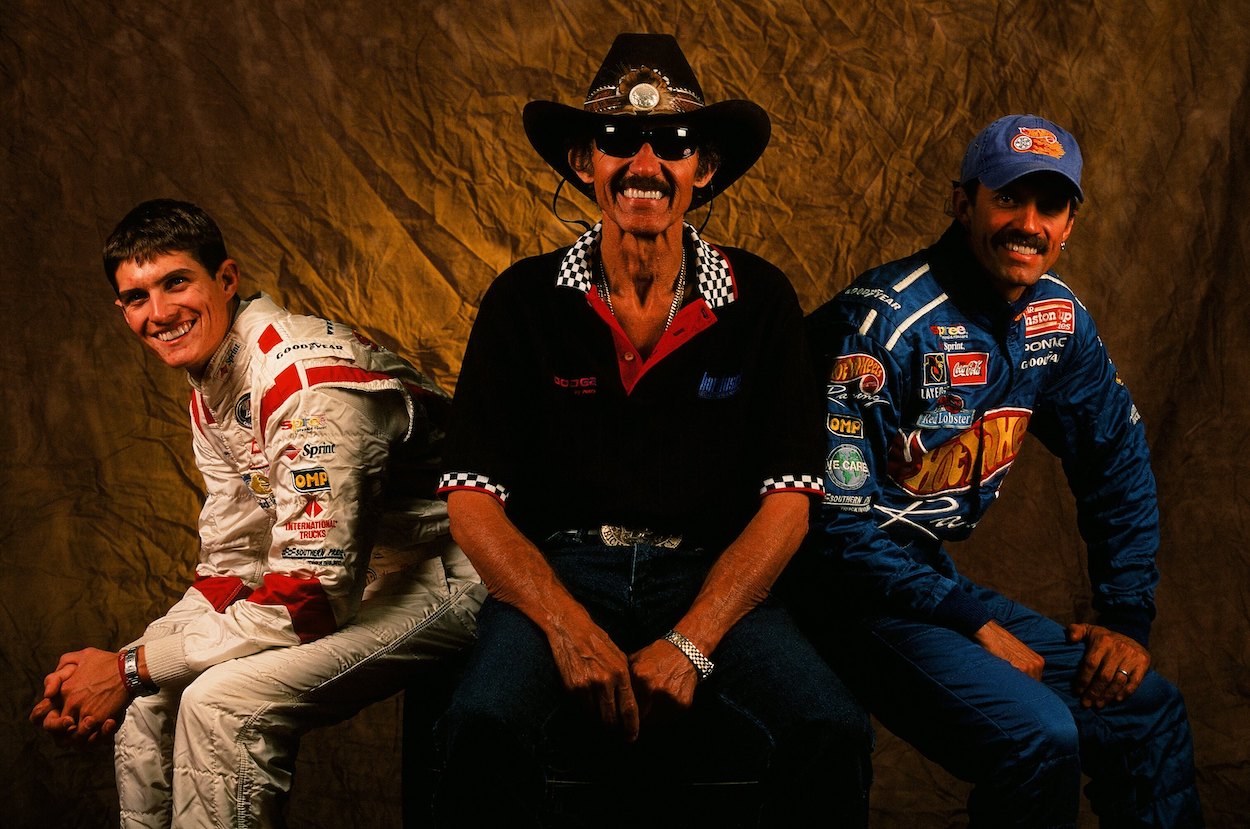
652	683
83	699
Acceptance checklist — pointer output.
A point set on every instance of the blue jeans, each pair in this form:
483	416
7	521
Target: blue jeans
1025	743
815	739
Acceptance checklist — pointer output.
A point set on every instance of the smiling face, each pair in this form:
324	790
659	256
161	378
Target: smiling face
177	308
1016	232
642	195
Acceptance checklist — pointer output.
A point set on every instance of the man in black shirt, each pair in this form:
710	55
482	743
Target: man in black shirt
632	463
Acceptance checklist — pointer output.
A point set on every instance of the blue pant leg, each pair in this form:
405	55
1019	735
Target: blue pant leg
1138	753
819	763
975	715
491	731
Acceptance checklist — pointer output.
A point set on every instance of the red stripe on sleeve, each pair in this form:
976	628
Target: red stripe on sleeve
304	599
286	384
343	374
221	591
268	339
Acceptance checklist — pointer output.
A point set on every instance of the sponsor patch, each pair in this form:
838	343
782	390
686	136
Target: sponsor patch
718	388
315	450
258	484
578	385
934	369
311	348
1037	141
875	294
971	369
954	332
1049	316
943	419
862	371
996	439
243	411
290	452
315	479
845	426
848	503
315	555
302	424
228	360
311	527
846	467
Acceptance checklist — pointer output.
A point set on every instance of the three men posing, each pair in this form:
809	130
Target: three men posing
634	452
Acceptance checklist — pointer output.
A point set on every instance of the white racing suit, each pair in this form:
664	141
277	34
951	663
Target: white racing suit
321	575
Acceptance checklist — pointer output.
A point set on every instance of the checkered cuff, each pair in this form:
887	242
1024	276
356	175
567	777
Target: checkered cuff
792	483
471	480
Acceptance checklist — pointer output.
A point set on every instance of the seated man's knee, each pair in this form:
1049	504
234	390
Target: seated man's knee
1046	741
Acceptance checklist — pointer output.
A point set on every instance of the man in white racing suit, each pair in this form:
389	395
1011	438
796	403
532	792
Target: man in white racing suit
324	576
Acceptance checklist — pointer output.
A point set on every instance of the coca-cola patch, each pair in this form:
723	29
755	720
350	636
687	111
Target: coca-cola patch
971	369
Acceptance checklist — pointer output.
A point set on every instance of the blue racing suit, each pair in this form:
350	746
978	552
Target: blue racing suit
932	381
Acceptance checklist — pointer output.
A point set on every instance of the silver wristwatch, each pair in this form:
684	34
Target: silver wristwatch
701	663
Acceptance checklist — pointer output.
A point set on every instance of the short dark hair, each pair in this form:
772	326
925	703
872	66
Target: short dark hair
163	226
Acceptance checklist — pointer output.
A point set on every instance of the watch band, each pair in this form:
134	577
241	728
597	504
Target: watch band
701	663
130	674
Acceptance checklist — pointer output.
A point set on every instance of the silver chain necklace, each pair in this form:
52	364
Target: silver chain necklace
678	291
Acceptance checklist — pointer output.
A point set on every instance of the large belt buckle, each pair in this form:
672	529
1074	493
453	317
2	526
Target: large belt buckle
617	536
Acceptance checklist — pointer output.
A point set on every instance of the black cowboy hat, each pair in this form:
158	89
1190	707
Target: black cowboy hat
646	75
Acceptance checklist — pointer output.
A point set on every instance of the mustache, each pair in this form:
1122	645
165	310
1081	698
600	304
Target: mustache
629	180
1008	236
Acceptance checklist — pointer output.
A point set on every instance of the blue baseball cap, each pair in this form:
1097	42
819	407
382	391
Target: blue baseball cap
1017	145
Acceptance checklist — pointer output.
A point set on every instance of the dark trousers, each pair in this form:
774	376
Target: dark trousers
1025	744
816	740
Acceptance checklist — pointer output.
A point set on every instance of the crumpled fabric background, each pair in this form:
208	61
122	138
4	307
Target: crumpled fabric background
366	161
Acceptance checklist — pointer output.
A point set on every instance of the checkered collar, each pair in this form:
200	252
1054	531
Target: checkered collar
713	276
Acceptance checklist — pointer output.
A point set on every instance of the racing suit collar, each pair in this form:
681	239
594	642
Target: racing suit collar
965	282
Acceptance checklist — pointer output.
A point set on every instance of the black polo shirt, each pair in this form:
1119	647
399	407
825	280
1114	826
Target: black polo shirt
558	416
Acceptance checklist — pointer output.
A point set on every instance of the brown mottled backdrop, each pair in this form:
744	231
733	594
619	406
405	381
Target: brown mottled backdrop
367	162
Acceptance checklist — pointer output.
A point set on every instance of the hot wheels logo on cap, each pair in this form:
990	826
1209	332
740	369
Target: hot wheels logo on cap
1037	141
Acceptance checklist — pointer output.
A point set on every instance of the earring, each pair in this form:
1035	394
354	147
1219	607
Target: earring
1063	246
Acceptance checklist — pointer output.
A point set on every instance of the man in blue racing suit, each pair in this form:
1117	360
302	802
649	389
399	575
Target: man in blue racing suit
937	365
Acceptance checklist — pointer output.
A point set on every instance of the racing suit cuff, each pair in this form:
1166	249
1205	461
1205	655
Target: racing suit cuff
961	613
1133	622
166	661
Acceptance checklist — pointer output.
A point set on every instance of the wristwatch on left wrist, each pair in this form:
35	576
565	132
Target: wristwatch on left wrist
701	663
128	666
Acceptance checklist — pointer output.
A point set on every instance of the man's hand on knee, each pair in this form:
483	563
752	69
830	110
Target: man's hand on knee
994	638
1113	667
663	679
595	670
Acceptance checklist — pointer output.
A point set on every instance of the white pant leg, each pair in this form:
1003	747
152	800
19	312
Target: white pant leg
144	745
239	723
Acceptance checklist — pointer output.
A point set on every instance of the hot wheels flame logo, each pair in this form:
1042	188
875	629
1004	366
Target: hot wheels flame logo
1038	142
995	438
862	368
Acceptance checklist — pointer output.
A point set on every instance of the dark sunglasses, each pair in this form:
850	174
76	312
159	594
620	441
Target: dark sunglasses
671	142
